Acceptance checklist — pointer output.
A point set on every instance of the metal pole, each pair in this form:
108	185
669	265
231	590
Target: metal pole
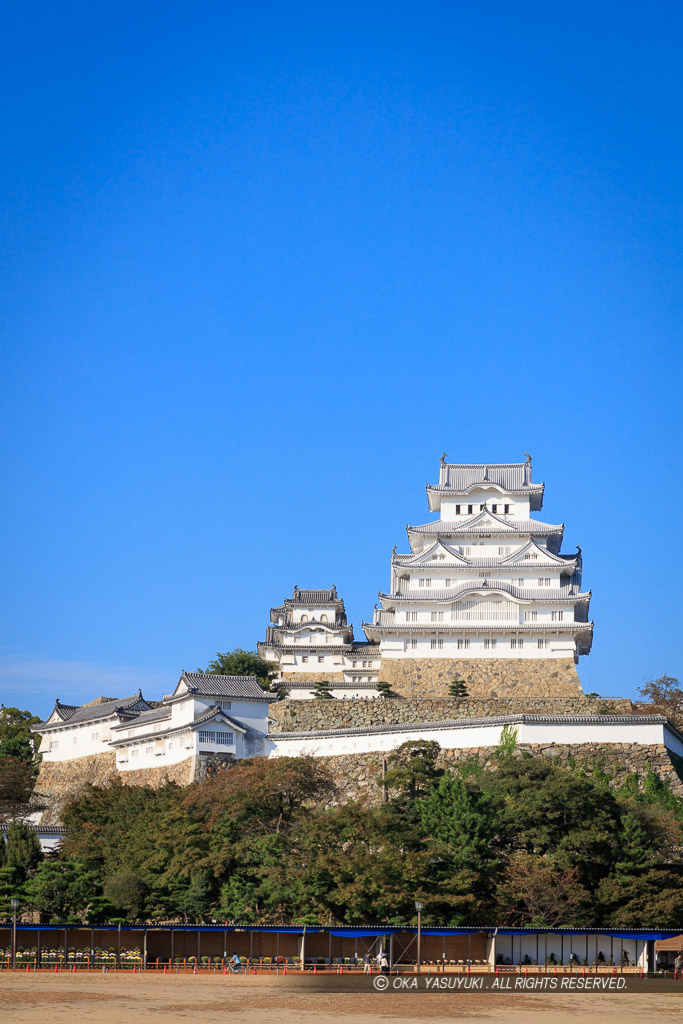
303	947
14	938
419	940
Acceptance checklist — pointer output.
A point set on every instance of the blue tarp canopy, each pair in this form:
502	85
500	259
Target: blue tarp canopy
361	933
595	931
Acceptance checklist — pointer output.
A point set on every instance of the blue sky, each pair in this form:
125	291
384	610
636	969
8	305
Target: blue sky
262	264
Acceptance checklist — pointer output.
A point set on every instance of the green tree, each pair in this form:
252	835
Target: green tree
11	887
239	900
413	769
458	822
458	688
22	848
194	900
16	738
62	890
384	689
128	892
321	690
243	663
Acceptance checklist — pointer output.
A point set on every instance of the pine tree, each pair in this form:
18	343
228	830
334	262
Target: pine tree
322	690
458	688
384	689
22	848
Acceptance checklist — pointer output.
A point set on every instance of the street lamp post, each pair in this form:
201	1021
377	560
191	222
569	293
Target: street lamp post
419	906
15	907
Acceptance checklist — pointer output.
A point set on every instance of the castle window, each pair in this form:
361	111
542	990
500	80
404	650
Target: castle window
489	645
504	551
413	643
463	644
305	659
149	750
544	581
425	583
94	735
437	645
457	510
134	752
482	508
520	582
321	658
224	705
530	616
517	643
494	508
304	618
447	582
541	644
469	510
323	618
557	616
507	509
437	616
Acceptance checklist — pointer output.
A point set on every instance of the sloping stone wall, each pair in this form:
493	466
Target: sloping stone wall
310	715
359	776
485	677
59	780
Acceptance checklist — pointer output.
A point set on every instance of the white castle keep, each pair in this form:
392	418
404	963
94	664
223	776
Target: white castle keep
483	593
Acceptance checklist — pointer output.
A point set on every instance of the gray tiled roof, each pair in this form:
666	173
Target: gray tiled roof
447	594
513	476
491	525
207	685
155	715
475	723
94	712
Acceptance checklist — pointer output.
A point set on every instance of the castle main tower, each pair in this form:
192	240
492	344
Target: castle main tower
484	593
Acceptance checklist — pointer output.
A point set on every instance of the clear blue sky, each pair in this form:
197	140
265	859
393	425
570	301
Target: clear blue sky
263	263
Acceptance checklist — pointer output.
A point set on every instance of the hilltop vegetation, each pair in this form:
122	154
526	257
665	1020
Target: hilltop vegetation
262	841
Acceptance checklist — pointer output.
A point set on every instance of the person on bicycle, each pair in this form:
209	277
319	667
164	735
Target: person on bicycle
234	963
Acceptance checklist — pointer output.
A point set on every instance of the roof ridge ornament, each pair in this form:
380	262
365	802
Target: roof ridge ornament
443	459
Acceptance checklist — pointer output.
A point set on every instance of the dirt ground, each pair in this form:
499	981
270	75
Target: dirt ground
132	999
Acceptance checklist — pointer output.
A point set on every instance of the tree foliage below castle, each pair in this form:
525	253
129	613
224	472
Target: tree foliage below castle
267	841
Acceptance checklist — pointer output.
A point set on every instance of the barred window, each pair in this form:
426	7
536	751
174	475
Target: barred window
437	645
220	738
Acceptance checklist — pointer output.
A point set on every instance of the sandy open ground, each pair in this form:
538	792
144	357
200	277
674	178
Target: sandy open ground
130	999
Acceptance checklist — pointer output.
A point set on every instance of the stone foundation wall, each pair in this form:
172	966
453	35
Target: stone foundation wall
309	715
485	677
59	780
359	776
